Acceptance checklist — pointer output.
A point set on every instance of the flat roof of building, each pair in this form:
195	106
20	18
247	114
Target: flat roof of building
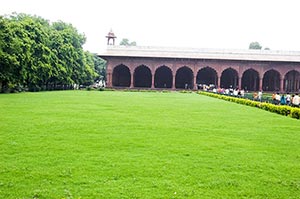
201	53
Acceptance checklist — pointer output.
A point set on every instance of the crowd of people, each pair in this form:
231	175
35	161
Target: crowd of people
230	91
286	99
277	98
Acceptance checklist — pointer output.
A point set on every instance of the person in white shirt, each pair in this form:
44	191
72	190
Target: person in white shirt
296	100
242	93
259	96
288	99
235	92
277	98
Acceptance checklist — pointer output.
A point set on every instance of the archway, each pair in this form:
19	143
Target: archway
207	76
292	81
121	76
271	80
229	78
163	77
184	78
250	80
142	77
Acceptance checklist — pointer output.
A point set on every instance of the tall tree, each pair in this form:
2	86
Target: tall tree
255	45
38	55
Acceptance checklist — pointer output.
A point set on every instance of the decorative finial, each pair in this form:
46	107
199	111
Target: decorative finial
111	35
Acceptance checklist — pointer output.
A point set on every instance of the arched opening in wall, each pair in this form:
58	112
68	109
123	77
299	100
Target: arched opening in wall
163	77
121	76
250	80
229	78
271	80
142	77
292	81
184	78
207	76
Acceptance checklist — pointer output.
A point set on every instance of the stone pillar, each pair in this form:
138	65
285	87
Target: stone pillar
195	83
260	84
152	84
173	83
219	82
109	80
240	83
281	85
131	81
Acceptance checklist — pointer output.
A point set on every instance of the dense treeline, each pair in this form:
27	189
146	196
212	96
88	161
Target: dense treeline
38	55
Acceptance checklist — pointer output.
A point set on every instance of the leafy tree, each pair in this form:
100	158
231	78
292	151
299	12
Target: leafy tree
255	45
10	52
37	55
100	67
125	42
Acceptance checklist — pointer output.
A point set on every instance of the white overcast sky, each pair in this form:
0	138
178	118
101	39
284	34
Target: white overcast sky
229	24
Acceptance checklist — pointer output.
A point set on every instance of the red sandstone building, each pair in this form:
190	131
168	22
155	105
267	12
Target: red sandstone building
178	68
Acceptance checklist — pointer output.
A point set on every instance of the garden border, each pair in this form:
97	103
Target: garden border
285	110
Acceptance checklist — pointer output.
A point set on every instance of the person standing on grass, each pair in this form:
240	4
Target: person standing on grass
254	96
288	99
296	100
277	98
243	93
282	99
259	95
273	98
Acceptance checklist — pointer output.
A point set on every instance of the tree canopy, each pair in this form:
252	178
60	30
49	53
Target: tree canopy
125	42
38	55
255	45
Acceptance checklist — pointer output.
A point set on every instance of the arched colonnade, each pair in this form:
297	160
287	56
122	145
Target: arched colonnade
187	77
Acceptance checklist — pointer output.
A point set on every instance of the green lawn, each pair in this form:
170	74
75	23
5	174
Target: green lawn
91	144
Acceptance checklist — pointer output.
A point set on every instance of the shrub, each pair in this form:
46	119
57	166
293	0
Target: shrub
295	113
89	88
282	109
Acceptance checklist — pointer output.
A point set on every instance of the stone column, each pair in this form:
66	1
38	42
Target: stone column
240	83
109	80
195	83
281	85
173	83
260	83
219	82
152	84
131	81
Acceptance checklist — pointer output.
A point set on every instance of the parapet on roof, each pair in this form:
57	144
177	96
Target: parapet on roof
202	53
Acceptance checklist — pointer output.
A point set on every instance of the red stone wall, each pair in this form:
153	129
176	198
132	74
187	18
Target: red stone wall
195	65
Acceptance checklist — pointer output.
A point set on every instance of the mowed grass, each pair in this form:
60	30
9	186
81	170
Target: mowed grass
81	144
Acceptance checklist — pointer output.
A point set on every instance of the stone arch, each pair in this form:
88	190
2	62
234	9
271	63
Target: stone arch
207	75
292	81
121	76
184	78
142	77
229	78
271	80
163	77
250	80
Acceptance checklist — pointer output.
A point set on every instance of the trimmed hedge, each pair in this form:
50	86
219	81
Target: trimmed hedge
282	109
